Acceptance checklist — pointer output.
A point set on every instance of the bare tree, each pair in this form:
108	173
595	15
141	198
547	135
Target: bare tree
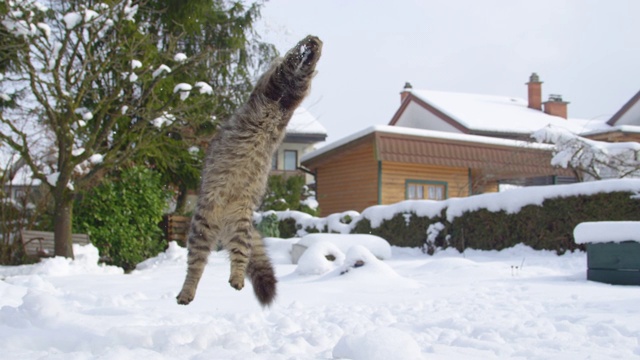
89	90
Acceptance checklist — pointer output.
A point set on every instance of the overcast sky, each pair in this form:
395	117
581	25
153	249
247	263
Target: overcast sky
586	50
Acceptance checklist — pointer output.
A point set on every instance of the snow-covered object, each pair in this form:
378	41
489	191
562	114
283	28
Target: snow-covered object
490	113
180	57
164	119
204	88
315	261
375	244
72	20
303	122
597	159
161	69
183	89
606	231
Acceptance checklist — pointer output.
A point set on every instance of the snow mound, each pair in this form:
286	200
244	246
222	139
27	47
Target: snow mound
360	258
175	254
379	344
279	250
376	245
85	262
314	261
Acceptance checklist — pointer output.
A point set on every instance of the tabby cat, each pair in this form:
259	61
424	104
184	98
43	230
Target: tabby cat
235	175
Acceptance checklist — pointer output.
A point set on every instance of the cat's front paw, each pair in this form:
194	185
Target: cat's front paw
306	54
185	297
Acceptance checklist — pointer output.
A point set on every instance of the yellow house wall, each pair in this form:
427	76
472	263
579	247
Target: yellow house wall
348	182
394	176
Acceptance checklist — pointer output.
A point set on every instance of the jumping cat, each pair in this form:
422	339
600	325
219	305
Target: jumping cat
235	174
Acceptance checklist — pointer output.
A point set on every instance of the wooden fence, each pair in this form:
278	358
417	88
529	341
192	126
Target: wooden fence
176	228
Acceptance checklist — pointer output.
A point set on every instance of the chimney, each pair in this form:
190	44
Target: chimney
534	87
406	91
555	106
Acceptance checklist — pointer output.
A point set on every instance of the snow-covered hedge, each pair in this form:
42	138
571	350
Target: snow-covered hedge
542	217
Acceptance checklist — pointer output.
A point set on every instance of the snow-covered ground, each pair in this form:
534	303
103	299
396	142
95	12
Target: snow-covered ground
517	303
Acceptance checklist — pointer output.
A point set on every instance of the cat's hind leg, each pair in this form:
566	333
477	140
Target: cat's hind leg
199	244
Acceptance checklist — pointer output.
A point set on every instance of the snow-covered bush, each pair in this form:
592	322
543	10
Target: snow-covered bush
542	217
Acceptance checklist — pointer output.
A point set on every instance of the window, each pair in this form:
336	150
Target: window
290	160
274	161
430	190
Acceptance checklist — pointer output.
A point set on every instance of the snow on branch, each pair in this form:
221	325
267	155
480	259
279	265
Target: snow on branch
184	89
591	159
162	68
180	57
204	88
164	119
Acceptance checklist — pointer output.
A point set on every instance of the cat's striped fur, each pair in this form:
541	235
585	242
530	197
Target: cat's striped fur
235	175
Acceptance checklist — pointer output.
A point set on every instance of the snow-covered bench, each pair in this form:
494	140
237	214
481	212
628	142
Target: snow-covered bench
40	243
613	251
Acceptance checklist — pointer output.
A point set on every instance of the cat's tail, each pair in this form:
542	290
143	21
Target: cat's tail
261	273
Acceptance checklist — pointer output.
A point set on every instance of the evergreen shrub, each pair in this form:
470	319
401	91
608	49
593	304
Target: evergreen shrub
122	214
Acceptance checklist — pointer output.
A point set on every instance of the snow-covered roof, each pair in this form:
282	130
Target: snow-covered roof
630	129
434	134
629	113
303	122
499	114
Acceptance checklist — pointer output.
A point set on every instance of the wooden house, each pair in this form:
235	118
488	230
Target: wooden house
440	145
624	125
387	164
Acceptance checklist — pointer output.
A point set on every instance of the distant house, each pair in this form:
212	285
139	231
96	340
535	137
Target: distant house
624	125
303	133
440	145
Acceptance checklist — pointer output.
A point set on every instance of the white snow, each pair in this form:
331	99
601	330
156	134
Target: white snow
89	15
183	89
411	306
164	119
303	122
180	57
606	159
46	29
607	231
72	20
204	88
497	113
375	244
136	64
96	158
162	68
52	179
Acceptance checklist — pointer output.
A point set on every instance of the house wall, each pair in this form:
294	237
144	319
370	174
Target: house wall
348	181
300	148
395	175
481	185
